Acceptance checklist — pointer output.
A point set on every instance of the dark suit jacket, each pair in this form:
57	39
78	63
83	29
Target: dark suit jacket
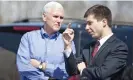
109	61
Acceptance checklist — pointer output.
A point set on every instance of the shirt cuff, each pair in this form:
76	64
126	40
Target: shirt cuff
49	69
81	71
67	53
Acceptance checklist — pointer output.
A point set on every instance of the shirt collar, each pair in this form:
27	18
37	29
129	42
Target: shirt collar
102	41
45	35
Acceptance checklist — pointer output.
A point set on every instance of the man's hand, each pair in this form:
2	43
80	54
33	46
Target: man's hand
81	66
68	36
36	63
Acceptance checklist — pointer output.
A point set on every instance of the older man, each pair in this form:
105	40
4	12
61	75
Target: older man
40	53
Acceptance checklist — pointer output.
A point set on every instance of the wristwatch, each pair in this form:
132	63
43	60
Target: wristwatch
40	66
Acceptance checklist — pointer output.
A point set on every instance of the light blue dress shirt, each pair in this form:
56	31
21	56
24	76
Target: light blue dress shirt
38	45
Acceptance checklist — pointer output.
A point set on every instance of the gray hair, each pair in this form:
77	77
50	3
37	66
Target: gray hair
52	5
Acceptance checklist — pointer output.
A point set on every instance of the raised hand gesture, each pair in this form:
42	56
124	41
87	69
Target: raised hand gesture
68	36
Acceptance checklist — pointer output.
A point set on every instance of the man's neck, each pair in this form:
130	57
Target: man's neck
106	32
48	30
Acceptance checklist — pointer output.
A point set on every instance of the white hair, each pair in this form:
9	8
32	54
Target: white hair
52	5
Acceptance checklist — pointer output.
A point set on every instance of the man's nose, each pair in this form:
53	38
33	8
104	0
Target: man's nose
87	27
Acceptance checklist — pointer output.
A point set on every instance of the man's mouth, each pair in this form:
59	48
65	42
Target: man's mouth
57	24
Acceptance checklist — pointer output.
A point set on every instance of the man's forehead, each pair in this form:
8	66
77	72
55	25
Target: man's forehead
90	17
56	10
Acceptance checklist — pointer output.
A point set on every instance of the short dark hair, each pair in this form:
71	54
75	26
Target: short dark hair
100	12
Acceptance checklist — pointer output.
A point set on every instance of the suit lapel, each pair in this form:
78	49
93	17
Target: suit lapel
87	52
91	49
91	58
104	46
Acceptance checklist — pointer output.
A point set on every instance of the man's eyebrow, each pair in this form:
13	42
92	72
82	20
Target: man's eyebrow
88	21
61	17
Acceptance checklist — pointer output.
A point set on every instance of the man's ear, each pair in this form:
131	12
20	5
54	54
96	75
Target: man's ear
104	22
44	16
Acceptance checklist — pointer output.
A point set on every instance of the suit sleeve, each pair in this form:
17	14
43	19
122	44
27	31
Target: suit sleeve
114	62
71	64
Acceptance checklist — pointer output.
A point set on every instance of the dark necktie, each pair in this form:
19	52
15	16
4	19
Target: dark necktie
95	50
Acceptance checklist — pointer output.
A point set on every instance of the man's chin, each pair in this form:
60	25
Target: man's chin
94	36
57	29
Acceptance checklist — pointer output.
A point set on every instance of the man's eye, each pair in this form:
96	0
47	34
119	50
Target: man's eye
56	16
89	23
61	17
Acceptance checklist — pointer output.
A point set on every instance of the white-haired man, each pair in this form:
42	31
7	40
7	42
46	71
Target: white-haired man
40	53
